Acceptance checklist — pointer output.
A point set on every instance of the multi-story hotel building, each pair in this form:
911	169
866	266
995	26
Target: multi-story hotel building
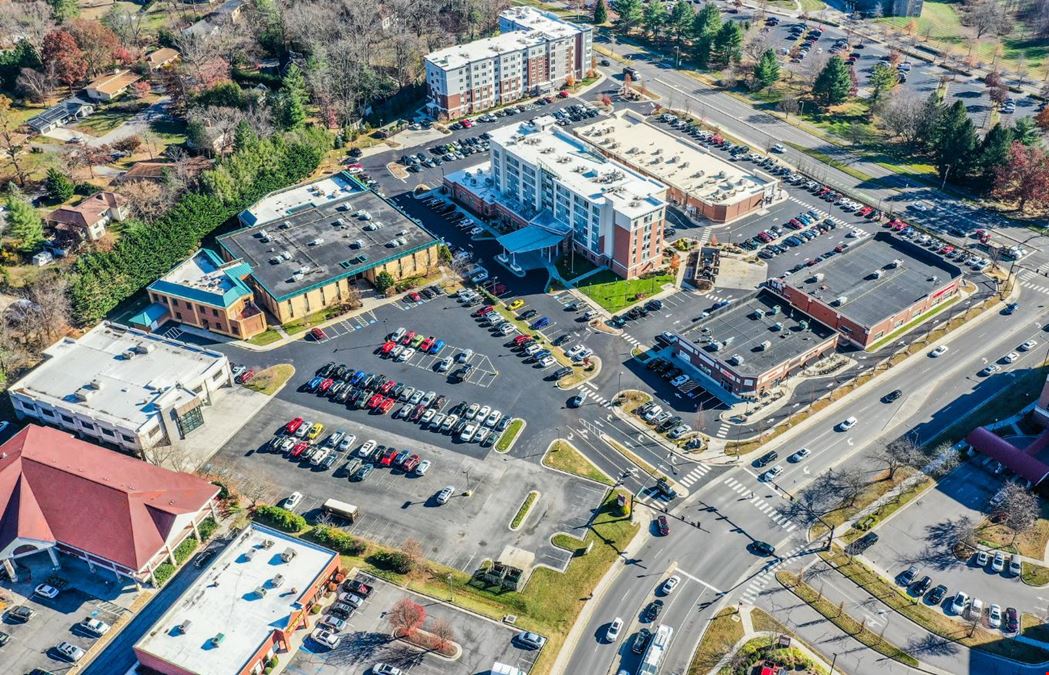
536	52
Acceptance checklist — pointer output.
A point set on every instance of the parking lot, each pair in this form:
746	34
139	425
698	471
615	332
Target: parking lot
367	641
54	620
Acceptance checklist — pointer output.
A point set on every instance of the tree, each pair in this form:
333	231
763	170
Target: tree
1025	131
766	70
900	453
1018	509
384	281
1041	120
955	142
653	18
833	83
98	43
291	102
630	15
413	550
680	21
443	633
705	28
728	44
993	153
59	186
62	54
1024	177
24	224
882	81
901	116
128	144
406	617
12	143
64	9
988	16
600	13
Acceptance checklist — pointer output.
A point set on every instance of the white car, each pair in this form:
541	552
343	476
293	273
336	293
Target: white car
427	417
1010	357
998	562
1028	346
493	418
366	450
976	608
938	352
778	147
445	494
801	454
670	584
960	603
471	412
444	364
771	473
448	423
423	467
327	638
994	616
95	627
437	421
481	435
571	353
467	434
408	353
292	500
847	423
990	369
679	380
46	591
547	361
347	442
482	414
613	630
583	355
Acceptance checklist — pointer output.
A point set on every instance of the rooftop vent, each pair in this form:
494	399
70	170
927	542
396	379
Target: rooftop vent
803	324
764	346
840	300
758	314
895	263
736	360
817	277
288	554
775	310
276	581
776	327
267	543
876	274
142	348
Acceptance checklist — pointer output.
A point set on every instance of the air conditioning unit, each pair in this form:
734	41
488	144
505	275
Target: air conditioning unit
840	300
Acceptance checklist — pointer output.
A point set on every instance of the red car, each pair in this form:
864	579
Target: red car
409	464
519	340
299	449
467	123
325	385
562	94
498	289
387	457
484	310
246	376
415	297
408	337
374	401
387	347
386	406
662	526
293	426
385	389
425	345
947	250
318	334
865	211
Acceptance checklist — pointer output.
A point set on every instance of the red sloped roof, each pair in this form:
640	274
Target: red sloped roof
1016	460
57	488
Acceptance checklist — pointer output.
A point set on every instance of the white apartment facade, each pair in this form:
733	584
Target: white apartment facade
536	52
122	387
616	215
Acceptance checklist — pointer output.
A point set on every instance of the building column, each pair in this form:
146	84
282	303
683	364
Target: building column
171	555
196	532
9	567
54	558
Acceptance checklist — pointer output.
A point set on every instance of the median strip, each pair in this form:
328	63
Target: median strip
526	508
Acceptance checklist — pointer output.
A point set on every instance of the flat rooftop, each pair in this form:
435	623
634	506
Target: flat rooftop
579	167
876	278
458	56
117	371
675	160
548	24
313	234
203	277
762	329
245	593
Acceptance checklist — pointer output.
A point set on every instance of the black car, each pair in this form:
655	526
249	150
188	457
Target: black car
892	396
641	641
922	585
937	594
20	614
363	472
527	314
563	371
762	548
1012	620
575	401
766	459
561	339
652	610
907	576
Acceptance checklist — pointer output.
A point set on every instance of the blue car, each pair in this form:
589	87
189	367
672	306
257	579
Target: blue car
541	322
436	347
314	382
357	377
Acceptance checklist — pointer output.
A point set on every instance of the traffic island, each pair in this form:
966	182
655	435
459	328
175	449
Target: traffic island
564	457
510	436
522	513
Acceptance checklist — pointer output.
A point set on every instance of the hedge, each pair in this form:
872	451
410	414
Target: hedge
146	251
336	540
207	528
392	561
281	519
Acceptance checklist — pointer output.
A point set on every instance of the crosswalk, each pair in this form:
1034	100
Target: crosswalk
631	340
704	236
1033	281
590	391
760	504
690	478
759	582
652	497
722	430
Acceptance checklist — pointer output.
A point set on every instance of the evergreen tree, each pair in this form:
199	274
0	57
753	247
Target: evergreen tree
766	70
1025	131
833	83
993	153
680	22
64	9
705	28
630	15
884	78
654	18
59	186
955	147
600	13
291	101
24	224
728	44
929	121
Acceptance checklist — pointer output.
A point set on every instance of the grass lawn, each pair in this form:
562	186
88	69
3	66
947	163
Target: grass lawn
269	380
569	269
168	132
567	542
266	337
758	649
763	621
613	293
510	435
722	634
526	507
920	319
564	456
103	121
812	6
846	623
930	618
1031	543
311	320
1034	575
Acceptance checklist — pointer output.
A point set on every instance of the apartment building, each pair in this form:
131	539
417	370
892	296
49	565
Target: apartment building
556	192
536	53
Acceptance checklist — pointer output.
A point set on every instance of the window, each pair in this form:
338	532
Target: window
106	432
67	419
127	439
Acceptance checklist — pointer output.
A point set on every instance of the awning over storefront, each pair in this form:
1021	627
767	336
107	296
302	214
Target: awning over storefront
530	238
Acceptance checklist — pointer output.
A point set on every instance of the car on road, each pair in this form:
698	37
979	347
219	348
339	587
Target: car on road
937	595
575	401
892	396
771	474
990	369
613	630
1010	308
847	423
1011	357
801	454
938	352
669	585
662	526
766	459
652	610
762	547
1028	345
640	641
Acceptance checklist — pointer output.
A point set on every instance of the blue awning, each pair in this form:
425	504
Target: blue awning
530	238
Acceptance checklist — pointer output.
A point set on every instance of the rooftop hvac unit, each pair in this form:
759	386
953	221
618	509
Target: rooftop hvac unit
317	242
895	263
877	274
267	543
840	300
142	348
775	310
803	325
183	627
304	269
736	360
285	225
758	314
764	346
260	591
715	345
817	277
777	327
249	554
288	554
277	581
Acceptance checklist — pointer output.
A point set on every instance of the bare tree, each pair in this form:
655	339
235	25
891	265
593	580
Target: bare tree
443	633
148	199
168	456
406	617
12	143
36	85
900	453
414	551
790	105
902	116
50	311
849	484
1017	510
988	16
126	24
30	21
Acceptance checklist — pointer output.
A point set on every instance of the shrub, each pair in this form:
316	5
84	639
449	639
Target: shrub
315	609
392	561
336	540
207	528
281	519
184	550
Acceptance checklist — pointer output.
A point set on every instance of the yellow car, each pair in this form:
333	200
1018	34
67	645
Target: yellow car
517	304
316	430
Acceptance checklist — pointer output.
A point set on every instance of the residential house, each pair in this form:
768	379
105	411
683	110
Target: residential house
109	87
87	220
59	115
161	58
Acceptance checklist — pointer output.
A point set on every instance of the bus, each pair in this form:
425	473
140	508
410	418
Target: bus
341	510
657	651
